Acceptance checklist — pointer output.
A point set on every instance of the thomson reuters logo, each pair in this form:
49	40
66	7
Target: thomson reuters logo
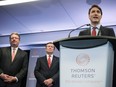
82	59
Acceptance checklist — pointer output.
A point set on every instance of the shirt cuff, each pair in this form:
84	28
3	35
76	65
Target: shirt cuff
16	79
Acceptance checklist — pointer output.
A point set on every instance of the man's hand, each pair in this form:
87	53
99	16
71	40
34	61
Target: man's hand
48	82
10	79
7	78
4	76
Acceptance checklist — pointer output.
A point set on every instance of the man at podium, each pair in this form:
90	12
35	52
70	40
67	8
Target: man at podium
96	29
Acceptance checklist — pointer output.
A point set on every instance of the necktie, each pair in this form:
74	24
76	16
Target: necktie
49	61
13	54
94	31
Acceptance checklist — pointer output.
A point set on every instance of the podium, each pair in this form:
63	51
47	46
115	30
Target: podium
87	61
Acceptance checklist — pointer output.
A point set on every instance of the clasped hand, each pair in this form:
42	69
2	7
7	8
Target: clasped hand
7	78
48	82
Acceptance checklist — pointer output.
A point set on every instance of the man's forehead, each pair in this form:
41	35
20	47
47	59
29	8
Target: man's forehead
50	45
14	35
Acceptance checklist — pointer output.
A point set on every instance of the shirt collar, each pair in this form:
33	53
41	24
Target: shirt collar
15	48
51	55
98	26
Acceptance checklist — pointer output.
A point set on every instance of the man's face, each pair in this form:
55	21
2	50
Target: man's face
50	48
14	40
95	15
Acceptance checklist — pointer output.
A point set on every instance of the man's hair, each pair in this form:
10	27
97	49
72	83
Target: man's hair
96	7
15	34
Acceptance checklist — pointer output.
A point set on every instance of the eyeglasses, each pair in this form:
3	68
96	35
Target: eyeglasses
14	38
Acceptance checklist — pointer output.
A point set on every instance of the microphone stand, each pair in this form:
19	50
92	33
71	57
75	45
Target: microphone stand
77	29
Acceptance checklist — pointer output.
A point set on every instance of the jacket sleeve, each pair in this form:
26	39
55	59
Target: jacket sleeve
24	68
37	74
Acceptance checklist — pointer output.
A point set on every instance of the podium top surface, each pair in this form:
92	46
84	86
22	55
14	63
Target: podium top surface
78	38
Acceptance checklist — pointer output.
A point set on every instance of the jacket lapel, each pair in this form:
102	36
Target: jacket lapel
45	61
88	31
53	61
9	54
102	30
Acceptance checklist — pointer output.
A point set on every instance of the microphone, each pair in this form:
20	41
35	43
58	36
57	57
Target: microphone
77	29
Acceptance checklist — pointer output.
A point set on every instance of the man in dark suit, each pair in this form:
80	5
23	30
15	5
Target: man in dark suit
95	15
13	63
47	74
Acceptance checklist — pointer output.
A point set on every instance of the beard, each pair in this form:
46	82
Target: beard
14	44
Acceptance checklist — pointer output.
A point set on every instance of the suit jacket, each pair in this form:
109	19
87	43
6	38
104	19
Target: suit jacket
18	67
103	31
42	71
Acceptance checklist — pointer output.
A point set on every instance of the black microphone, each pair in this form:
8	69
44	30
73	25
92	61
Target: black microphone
77	29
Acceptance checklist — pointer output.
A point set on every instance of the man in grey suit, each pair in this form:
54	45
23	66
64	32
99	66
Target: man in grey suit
95	15
13	66
47	75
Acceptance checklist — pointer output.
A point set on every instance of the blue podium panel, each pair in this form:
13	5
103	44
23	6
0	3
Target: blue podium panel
86	67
